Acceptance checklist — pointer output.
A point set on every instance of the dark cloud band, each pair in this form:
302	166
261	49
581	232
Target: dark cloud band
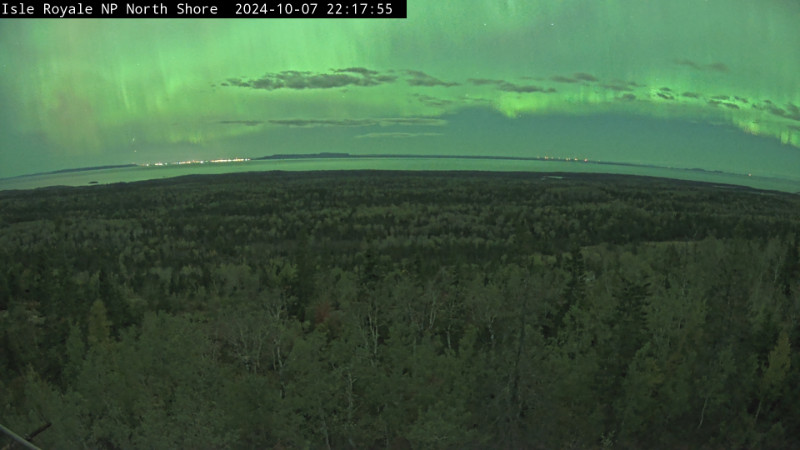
299	80
418	78
399	121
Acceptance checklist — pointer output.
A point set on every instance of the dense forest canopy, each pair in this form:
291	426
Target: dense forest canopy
401	310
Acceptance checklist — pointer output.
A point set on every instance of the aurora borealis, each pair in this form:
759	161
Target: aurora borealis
712	84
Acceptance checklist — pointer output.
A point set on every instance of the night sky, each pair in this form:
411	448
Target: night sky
712	84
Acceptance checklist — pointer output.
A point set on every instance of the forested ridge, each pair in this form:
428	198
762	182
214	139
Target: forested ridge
401	310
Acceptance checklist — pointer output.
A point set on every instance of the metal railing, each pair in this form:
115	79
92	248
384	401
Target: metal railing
23	441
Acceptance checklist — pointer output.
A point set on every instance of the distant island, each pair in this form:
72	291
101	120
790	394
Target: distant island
307	156
86	169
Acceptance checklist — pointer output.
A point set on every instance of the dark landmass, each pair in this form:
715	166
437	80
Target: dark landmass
87	169
305	156
375	309
78	169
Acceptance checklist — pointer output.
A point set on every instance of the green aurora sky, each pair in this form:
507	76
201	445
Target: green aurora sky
713	84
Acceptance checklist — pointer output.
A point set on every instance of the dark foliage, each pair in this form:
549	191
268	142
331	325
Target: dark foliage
401	310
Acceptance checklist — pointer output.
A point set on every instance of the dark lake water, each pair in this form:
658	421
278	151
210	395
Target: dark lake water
140	173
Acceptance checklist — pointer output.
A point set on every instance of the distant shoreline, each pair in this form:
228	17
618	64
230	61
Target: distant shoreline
77	169
339	155
322	160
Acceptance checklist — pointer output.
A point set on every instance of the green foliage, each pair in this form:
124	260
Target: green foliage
360	310
99	327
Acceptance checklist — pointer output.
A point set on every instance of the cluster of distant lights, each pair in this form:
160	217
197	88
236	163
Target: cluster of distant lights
230	160
196	161
553	158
